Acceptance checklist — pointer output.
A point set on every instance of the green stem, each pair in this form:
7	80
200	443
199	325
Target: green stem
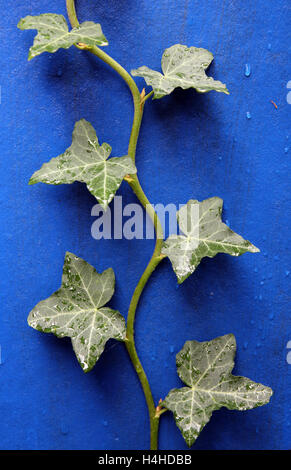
71	10
148	96
138	108
130	344
133	181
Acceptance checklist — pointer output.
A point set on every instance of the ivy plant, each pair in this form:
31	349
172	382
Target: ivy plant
79	308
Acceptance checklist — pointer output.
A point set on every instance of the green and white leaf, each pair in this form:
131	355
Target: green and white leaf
204	235
53	33
86	161
206	370
77	311
182	67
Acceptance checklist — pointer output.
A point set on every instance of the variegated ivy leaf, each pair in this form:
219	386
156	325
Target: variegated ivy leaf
86	161
204	235
77	310
182	67
53	33
206	370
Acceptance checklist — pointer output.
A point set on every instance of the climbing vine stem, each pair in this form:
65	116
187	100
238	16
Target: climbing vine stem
139	100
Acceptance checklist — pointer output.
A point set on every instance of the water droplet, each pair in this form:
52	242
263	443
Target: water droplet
172	349
247	70
64	429
248	115
269	46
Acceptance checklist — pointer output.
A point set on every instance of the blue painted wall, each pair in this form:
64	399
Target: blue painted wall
191	146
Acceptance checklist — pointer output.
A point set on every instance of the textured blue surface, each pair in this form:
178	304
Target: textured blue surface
191	146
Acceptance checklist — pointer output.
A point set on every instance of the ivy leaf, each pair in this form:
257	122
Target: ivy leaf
86	161
77	310
182	67
206	370
204	235
53	33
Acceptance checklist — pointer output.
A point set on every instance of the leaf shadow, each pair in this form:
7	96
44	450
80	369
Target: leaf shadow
216	283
